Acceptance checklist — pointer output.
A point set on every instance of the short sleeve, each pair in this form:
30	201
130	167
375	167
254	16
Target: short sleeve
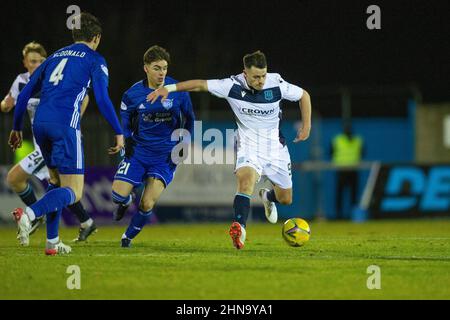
14	91
220	88
290	91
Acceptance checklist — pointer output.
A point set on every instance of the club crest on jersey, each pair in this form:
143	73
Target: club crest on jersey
268	95
167	104
105	69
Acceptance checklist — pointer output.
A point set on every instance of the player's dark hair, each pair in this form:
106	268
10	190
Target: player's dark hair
34	47
256	59
156	53
90	27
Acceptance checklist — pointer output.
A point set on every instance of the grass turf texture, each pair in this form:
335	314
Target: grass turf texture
199	262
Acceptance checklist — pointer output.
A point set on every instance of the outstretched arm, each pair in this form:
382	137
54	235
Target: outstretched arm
305	108
190	85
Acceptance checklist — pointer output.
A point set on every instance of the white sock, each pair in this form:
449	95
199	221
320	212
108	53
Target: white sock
30	213
53	241
87	223
125	237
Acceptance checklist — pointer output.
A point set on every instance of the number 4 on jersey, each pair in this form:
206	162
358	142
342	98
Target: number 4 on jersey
57	74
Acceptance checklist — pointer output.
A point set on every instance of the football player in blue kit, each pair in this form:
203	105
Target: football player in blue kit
33	164
63	80
151	137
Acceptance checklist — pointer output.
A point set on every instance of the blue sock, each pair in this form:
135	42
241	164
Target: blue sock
28	197
271	196
53	201
117	198
53	218
241	208
137	223
53	224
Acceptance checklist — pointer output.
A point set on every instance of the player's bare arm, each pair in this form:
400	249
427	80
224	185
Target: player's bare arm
305	108
8	103
190	85
120	144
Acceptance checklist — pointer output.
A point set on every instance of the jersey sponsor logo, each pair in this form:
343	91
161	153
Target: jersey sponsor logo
167	104
105	69
147	117
257	112
157	117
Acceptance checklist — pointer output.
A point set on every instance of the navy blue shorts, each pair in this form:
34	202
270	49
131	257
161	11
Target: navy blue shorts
61	147
136	171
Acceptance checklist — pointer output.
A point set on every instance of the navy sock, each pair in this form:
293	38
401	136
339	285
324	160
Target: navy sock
53	201
271	196
28	197
78	210
241	208
139	220
117	198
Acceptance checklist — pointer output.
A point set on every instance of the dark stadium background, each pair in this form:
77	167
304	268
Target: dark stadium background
312	43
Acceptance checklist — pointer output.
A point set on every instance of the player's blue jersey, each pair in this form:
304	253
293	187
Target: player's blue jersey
65	78
151	125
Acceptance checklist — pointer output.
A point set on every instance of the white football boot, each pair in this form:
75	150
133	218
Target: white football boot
270	209
24	226
53	249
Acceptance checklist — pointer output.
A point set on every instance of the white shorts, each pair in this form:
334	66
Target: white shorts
276	166
34	165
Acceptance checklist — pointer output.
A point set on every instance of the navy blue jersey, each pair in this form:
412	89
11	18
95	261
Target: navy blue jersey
63	80
151	125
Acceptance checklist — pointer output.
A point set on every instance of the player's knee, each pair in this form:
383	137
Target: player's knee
147	204
246	186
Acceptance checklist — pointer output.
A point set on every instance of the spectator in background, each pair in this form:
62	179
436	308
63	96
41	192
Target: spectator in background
347	151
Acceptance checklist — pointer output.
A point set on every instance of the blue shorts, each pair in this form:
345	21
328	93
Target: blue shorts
61	147
136	171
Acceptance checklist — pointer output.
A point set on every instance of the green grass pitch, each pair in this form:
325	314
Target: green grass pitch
197	261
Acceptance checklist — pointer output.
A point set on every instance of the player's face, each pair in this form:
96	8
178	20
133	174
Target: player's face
255	77
156	72
32	61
